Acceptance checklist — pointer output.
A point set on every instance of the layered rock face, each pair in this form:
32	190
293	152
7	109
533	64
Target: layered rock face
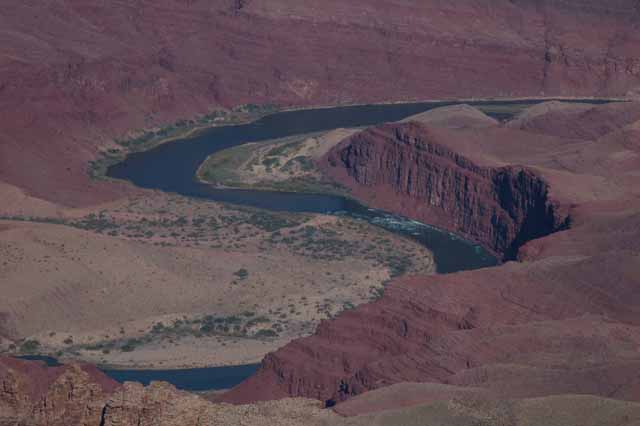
501	207
73	76
565	319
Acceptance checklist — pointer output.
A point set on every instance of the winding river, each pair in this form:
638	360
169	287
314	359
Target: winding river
172	168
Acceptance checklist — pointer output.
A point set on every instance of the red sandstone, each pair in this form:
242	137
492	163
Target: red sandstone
74	76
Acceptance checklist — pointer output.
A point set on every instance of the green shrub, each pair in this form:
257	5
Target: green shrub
158	328
266	333
29	346
241	273
130	345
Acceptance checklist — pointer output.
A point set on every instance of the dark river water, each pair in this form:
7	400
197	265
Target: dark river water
192	379
172	168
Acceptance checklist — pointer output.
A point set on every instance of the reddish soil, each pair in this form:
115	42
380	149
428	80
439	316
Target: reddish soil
565	319
75	75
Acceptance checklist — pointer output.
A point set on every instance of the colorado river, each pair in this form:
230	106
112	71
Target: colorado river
192	379
172	168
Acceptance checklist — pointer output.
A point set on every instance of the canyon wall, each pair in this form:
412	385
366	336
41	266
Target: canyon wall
33	394
499	207
515	332
73	75
563	320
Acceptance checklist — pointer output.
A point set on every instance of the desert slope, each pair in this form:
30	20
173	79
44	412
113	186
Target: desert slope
93	72
167	281
562	320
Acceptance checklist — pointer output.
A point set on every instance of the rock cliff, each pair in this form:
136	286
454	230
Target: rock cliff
35	395
73	75
500	207
563	320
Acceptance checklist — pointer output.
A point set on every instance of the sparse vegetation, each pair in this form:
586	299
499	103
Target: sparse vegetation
266	334
329	244
130	345
286	164
183	128
223	167
243	326
30	346
241	274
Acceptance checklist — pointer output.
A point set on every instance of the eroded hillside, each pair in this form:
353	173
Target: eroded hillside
96	72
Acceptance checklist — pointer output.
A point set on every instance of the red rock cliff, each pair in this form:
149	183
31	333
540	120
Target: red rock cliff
74	75
402	167
33	394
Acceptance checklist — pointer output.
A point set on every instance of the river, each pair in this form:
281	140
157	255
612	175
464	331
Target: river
172	167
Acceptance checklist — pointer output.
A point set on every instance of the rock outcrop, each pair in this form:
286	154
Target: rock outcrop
500	207
33	394
563	320
36	395
75	76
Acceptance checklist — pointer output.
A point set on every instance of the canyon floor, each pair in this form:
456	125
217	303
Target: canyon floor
547	338
163	281
287	164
